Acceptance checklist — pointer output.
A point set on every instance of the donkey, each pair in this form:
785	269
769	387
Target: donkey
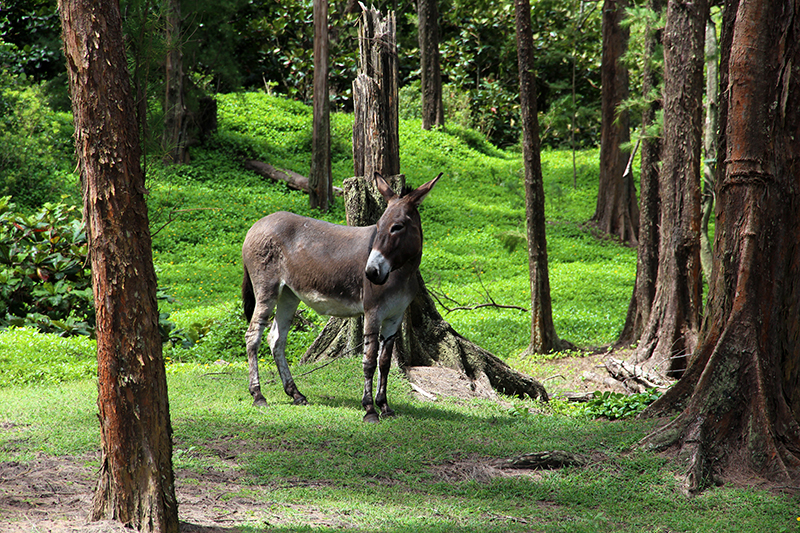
336	270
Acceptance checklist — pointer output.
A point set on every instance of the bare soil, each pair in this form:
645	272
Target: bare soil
54	494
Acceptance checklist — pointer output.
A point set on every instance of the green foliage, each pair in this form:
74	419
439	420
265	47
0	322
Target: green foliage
30	38
37	156
615	405
44	277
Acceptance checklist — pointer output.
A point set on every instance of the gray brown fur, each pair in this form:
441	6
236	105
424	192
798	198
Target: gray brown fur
336	270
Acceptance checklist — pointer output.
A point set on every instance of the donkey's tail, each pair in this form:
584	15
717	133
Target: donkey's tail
248	296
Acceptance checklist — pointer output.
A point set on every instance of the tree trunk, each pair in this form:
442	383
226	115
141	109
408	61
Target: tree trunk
136	485
174	140
740	397
617	212
320	190
430	70
543	333
671	332
650	206
710	135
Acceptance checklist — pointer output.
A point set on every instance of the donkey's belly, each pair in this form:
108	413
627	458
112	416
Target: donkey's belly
330	305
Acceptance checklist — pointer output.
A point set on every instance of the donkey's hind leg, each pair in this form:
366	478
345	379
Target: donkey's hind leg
253	341
284	313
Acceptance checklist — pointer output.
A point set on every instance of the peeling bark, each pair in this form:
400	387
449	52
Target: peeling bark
136	484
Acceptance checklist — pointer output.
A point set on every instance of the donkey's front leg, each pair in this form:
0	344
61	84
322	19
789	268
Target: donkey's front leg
370	364
384	364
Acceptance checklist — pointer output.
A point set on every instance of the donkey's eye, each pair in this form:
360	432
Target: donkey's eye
396	228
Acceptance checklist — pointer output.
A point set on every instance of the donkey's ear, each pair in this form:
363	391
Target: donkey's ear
418	195
384	188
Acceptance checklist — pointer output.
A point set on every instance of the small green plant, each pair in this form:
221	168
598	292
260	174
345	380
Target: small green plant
615	405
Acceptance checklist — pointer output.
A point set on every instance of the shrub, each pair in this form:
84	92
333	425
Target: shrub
44	276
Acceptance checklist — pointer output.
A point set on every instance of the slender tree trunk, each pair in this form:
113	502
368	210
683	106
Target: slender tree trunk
650	206
174	142
320	193
136	484
617	212
740	397
671	332
710	136
543	333
430	71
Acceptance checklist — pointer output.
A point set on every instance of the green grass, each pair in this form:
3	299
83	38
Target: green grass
319	468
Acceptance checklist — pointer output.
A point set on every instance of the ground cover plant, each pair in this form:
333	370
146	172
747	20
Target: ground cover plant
436	467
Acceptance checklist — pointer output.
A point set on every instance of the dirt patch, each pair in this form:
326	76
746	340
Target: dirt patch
54	494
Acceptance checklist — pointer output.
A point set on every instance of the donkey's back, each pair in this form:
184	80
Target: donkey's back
321	263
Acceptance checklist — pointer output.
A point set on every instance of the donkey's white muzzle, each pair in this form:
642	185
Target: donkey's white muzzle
378	268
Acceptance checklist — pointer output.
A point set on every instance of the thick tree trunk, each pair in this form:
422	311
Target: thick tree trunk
173	140
136	485
649	203
320	184
430	70
617	212
740	397
671	332
543	333
376	141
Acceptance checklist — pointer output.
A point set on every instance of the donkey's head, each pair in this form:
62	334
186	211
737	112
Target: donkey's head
399	231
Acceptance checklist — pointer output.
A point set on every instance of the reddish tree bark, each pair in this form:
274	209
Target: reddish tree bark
617	212
543	333
740	397
136	485
674	322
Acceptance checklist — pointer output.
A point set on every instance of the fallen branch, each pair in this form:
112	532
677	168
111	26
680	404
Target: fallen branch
635	377
549	460
441	298
292	179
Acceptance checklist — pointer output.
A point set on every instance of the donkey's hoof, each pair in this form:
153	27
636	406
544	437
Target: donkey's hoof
259	402
371	418
300	401
387	413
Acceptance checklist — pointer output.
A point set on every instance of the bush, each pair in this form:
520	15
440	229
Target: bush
44	276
